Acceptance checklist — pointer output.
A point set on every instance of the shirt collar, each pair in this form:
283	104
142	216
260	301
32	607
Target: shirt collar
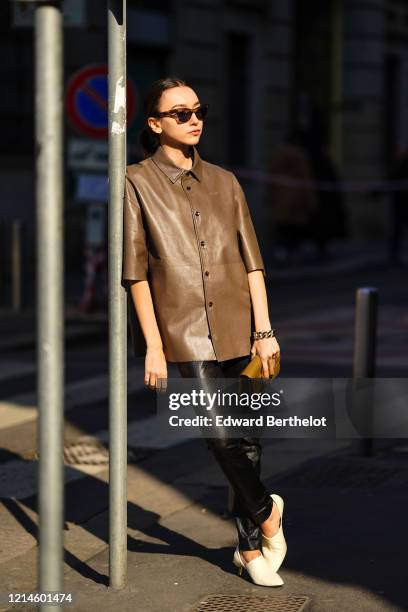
173	172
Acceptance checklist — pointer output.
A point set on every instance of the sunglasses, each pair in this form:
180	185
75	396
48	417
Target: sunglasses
185	114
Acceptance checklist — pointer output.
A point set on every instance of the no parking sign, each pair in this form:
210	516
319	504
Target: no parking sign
87	101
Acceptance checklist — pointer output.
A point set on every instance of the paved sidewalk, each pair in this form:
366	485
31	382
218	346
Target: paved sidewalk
345	517
344	523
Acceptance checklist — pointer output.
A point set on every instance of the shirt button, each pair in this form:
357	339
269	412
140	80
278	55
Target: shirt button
210	303
209	336
207	273
202	243
197	213
188	187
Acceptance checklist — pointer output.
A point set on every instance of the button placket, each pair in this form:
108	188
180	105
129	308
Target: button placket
202	244
204	270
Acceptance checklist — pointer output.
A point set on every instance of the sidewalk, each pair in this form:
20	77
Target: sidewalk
345	517
344	523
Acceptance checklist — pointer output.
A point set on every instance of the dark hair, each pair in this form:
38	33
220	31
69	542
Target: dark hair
148	139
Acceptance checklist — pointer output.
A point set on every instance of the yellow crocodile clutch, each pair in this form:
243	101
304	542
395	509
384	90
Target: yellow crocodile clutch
254	368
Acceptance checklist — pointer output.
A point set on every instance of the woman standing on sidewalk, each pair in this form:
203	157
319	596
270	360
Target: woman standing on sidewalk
193	265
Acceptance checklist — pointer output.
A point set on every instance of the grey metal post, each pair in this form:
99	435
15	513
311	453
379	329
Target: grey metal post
117	297
50	287
336	82
365	348
16	245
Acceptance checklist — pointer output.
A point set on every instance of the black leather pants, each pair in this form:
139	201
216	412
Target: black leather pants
239	459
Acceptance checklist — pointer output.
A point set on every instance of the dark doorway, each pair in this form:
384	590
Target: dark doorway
238	98
312	65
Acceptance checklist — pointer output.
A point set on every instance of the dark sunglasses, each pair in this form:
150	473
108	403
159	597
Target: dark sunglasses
185	114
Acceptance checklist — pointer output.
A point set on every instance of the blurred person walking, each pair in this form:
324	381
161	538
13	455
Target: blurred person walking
292	197
327	221
95	260
193	266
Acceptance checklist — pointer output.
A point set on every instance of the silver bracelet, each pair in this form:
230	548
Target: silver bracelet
258	335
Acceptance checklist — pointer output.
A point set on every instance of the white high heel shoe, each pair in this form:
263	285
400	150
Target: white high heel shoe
274	548
258	569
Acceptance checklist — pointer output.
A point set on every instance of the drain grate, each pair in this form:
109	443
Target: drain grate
345	473
229	602
93	453
86	453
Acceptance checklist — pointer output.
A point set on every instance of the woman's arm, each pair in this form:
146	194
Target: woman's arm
267	348
155	364
259	300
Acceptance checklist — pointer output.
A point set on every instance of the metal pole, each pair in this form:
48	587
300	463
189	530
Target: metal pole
117	297
365	348
50	287
336	86
16	266
2	259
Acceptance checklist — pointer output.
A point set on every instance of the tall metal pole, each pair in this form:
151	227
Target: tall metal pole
336	85
50	286
117	297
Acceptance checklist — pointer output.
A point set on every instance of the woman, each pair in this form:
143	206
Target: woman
193	265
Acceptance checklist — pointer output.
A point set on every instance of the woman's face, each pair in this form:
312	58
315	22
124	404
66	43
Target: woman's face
170	130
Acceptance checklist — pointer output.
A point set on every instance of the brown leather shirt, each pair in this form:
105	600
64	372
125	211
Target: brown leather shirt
190	234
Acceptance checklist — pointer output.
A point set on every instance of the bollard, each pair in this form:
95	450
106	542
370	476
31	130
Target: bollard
365	349
16	244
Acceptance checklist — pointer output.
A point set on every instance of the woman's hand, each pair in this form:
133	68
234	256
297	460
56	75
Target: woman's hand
155	369
269	351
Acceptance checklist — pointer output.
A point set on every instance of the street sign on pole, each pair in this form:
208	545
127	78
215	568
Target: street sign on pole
87	101
86	155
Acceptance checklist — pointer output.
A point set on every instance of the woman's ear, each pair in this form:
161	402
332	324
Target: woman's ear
154	125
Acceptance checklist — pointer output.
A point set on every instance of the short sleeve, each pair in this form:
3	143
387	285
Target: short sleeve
249	246
135	258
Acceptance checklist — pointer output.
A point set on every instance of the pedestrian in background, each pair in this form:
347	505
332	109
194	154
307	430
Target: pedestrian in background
95	260
292	197
327	220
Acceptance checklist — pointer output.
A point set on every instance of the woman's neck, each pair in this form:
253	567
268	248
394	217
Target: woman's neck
181	157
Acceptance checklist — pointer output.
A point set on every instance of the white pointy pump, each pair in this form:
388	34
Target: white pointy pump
258	569
274	549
